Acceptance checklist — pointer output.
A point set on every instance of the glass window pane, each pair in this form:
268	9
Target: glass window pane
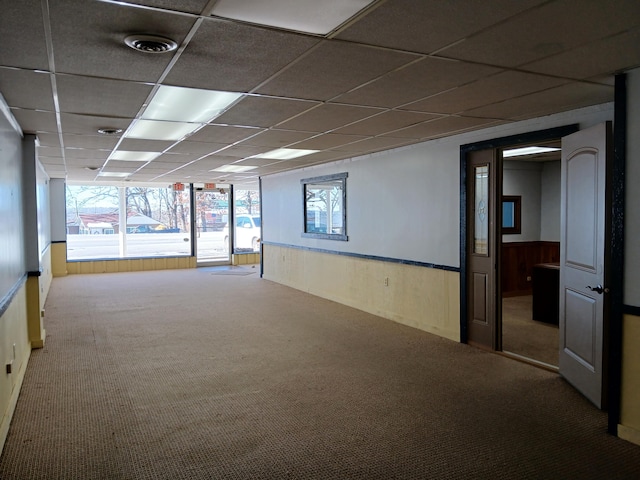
92	222
212	225
325	214
481	210
157	222
248	230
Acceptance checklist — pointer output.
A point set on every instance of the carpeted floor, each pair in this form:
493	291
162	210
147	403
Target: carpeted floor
526	337
188	375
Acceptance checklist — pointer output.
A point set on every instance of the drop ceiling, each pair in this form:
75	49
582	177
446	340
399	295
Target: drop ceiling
397	73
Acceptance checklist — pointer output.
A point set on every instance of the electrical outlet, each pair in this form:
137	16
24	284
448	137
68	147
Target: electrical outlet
386	281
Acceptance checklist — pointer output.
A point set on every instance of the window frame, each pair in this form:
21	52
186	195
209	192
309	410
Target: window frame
516	202
305	182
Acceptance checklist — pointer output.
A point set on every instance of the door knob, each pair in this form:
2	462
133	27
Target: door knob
598	289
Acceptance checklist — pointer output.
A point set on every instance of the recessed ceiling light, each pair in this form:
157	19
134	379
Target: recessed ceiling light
309	16
150	43
181	104
109	131
285	153
161	130
233	168
128	156
516	152
113	174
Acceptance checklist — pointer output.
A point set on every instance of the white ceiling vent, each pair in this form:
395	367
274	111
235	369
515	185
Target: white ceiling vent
151	43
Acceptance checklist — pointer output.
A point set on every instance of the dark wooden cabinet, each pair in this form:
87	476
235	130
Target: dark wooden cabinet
546	292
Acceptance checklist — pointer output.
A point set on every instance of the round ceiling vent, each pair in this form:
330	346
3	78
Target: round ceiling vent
109	131
151	43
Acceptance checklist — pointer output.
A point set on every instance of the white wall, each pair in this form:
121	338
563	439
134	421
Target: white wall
550	202
538	183
402	203
524	179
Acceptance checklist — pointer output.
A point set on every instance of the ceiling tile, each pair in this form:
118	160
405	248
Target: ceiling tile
201	148
49	151
426	77
328	117
176	159
374	144
141	145
385	122
53	164
189	6
428	25
594	59
315	158
243	151
209	163
256	162
35	121
443	126
19	50
222	134
83	153
89	124
121	166
487	90
91	141
99	96
326	141
565	97
49	139
26	89
229	56
333	68
84	162
276	138
550	29
259	111
89	38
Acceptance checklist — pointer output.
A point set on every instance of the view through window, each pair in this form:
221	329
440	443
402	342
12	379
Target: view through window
248	226
157	222
324	206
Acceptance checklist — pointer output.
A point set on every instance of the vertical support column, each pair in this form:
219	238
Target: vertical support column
57	203
122	231
33	265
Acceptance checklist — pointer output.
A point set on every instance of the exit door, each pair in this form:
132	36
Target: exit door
211	221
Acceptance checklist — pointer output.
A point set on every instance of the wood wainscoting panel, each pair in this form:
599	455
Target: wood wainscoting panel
517	261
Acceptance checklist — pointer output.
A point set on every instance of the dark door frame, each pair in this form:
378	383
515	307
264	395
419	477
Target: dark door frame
503	142
616	259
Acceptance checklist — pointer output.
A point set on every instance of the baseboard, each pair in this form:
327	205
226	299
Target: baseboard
629	434
13	401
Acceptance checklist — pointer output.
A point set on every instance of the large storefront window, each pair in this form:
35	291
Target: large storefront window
154	222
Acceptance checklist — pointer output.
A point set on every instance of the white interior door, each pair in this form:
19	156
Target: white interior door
582	260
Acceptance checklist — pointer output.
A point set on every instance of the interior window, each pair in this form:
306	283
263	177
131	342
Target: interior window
325	214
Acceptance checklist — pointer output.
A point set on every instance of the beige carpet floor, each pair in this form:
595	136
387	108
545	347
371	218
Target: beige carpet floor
193	375
526	337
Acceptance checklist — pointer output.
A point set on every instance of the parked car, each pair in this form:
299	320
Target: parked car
248	233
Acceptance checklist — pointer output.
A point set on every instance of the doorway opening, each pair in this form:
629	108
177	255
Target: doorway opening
211	222
529	251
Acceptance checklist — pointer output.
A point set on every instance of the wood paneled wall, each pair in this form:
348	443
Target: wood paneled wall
518	259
